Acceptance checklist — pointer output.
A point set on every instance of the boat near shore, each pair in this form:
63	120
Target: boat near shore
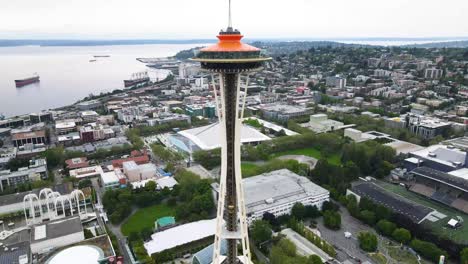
138	79
27	81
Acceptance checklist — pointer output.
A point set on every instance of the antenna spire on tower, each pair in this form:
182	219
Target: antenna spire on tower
230	16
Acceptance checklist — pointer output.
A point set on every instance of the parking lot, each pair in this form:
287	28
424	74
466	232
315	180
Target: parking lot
346	249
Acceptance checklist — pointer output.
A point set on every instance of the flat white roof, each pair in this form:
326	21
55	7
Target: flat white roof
461	173
404	147
278	187
77	255
109	177
130	165
273	126
167	181
442	154
209	137
86	172
63	125
180	235
413	160
40	232
147	167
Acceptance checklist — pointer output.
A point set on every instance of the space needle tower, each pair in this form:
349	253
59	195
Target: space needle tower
230	63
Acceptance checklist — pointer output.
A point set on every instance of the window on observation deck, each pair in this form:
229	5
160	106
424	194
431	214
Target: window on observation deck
229	55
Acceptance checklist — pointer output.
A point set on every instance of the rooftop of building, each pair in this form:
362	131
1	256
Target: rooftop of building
461	143
29	134
79	162
65	125
56	229
109	177
284	108
443	154
137	159
166	182
89	113
130	165
273	126
180	235
278	187
86	171
209	137
416	212
18	253
205	256
447	178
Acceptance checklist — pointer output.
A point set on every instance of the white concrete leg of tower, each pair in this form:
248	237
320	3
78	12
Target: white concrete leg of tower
221	230
222	186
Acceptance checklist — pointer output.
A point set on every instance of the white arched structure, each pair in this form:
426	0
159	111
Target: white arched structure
29	203
62	199
46	205
44	202
75	197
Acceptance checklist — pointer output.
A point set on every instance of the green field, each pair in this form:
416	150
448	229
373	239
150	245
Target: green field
401	256
458	235
334	159
378	258
248	169
145	217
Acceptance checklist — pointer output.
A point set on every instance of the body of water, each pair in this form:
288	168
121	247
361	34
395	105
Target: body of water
391	42
67	75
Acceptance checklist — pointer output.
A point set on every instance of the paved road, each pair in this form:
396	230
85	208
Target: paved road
346	248
115	229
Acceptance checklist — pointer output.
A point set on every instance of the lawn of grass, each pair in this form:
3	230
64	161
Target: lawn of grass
439	227
334	159
401	256
248	169
378	258
145	217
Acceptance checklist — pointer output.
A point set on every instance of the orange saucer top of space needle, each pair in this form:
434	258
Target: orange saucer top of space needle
230	41
230	53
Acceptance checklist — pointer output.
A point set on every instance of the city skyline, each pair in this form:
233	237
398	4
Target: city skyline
298	19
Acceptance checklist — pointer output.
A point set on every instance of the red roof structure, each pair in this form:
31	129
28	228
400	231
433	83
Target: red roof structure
136	156
230	43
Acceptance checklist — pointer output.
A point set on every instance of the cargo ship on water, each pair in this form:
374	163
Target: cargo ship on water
27	81
138	79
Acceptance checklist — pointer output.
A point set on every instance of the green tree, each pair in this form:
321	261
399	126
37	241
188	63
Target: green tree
298	211
311	211
150	186
368	217
133	236
464	256
401	235
367	241
16	163
87	233
54	156
314	259
382	212
386	227
261	231
146	233
84	183
332	220
428	250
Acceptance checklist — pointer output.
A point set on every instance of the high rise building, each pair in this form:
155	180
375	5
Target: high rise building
230	62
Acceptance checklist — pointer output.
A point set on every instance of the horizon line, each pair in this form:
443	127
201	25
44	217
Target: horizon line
249	38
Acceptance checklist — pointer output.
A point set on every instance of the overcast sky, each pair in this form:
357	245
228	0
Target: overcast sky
189	19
